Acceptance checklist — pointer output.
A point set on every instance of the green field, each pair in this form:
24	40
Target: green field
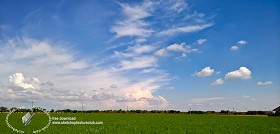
148	123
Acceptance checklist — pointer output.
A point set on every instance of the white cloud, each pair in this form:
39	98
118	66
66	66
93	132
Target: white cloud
264	83
139	62
242	42
203	100
176	48
158	101
149	70
178	5
133	24
207	71
134	51
197	17
241	73
61	84
234	48
183	55
127	28
185	29
219	81
141	49
161	52
201	41
18	79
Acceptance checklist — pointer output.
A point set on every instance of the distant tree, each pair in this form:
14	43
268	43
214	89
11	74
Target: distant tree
12	108
3	109
224	112
52	111
67	111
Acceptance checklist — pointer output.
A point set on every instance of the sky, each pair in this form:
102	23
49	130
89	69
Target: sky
165	54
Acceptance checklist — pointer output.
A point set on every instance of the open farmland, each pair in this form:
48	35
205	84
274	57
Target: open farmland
149	123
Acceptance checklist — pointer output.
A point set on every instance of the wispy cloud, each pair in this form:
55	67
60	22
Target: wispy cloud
203	100
201	41
133	24
264	83
184	29
138	63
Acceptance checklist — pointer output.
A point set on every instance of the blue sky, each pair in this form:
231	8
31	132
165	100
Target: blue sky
171	54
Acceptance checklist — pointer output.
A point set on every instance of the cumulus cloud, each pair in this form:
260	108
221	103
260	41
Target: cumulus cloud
18	79
157	100
219	81
239	43
176	48
207	71
184	29
234	48
242	42
264	83
241	73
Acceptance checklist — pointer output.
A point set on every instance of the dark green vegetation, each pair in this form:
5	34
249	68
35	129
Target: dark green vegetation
150	123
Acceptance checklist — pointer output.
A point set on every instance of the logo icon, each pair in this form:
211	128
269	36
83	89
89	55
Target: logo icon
26	119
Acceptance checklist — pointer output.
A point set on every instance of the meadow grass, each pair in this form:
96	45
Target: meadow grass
149	123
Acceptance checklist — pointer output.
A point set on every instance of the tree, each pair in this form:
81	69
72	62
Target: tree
13	108
3	109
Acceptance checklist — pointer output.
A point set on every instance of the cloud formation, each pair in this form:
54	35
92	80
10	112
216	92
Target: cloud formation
241	73
264	83
219	81
207	71
17	79
203	100
234	48
133	24
184	29
201	41
242	42
176	48
239	43
85	81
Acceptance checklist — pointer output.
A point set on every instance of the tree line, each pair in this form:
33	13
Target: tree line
222	112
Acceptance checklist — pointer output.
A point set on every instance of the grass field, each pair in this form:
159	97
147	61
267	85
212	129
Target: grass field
148	123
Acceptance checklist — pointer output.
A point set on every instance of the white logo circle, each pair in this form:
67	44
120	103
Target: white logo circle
34	131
